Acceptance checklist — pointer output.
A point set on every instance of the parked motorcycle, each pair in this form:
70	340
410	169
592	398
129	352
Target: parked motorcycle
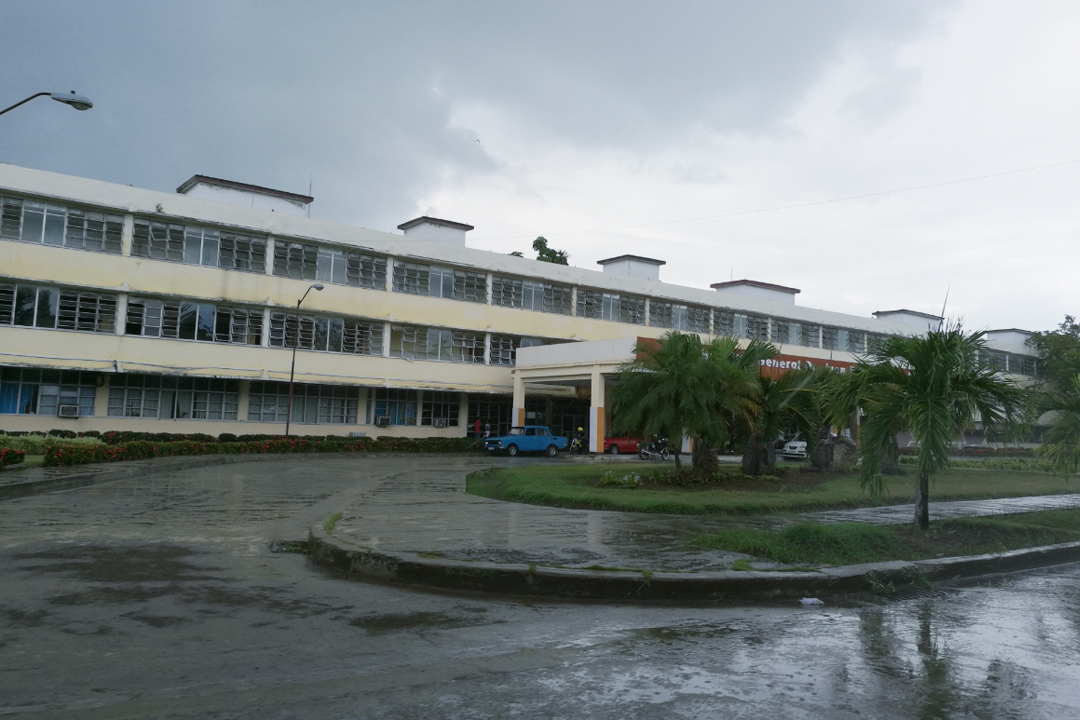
654	449
577	442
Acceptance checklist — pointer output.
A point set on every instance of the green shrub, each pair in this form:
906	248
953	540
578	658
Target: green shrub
613	479
29	444
11	456
80	453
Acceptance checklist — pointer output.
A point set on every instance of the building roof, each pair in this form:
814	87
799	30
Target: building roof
1015	330
928	316
434	221
636	258
755	283
207	180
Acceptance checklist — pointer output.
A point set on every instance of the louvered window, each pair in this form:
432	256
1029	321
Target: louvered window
56	308
47	224
411	278
295	260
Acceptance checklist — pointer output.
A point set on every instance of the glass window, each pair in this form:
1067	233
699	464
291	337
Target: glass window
411	278
56	225
30	391
397	406
173	398
295	260
440	409
326	334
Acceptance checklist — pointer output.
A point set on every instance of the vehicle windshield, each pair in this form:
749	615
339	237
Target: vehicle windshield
517	431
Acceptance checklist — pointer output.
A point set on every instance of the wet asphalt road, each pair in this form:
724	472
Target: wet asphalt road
161	597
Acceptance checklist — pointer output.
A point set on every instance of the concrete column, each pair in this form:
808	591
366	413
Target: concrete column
490	287
101	397
596	412
120	328
389	273
386	339
648	307
269	255
573	300
242	401
126	234
264	340
518	416
487	348
464	416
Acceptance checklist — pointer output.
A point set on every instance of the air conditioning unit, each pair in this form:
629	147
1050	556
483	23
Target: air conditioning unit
68	411
439	422
382	420
358	433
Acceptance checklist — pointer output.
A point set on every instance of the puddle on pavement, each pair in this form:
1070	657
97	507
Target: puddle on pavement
163	563
377	624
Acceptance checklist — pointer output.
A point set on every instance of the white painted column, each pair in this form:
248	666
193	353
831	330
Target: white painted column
386	339
269	269
126	234
596	412
264	340
120	328
242	401
518	416
487	348
573	300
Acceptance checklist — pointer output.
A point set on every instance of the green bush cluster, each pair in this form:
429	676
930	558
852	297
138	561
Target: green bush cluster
998	463
672	478
980	451
11	456
628	481
33	444
83	453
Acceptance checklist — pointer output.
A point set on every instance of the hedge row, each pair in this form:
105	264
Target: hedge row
981	451
60	455
11	456
115	437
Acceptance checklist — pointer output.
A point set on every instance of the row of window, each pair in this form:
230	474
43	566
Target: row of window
27	391
47	224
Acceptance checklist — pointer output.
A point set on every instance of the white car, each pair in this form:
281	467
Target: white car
795	448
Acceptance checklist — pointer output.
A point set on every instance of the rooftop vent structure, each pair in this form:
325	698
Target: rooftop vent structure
922	321
633	266
758	290
203	187
429	228
1009	336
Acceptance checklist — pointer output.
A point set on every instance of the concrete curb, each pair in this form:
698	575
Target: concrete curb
520	579
103	473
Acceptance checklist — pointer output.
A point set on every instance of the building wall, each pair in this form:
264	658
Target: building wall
127	277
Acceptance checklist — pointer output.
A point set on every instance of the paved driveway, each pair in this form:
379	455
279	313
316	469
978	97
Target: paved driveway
161	598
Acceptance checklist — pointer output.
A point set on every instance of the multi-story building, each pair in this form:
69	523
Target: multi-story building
129	309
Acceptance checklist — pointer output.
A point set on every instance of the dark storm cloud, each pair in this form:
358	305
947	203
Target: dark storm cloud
359	97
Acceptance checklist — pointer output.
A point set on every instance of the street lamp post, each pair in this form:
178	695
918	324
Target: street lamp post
76	101
296	341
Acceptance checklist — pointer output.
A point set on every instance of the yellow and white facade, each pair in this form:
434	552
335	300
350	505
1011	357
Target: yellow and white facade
130	309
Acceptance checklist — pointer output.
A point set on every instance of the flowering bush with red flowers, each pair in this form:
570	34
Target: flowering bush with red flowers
11	456
70	454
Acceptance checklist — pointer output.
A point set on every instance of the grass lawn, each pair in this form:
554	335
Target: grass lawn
577	486
815	544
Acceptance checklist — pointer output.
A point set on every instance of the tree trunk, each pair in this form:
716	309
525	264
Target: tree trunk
822	456
678	465
705	458
922	502
890	464
755	458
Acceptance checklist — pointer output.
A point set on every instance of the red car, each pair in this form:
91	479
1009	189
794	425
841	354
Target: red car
616	445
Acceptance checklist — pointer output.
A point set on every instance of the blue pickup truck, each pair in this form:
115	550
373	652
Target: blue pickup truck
530	438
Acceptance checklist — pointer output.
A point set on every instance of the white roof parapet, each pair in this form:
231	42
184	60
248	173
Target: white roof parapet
124	198
436	229
634	266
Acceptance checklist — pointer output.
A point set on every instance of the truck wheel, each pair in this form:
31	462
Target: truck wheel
511	450
614	449
551	450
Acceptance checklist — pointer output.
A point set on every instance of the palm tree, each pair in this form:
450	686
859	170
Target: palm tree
935	387
680	386
1061	445
785	402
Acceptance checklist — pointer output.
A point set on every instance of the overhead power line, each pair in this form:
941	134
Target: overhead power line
796	205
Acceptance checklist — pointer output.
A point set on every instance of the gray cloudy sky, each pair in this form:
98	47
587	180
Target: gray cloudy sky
602	123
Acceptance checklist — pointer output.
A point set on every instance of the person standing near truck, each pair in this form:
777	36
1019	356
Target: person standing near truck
476	428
